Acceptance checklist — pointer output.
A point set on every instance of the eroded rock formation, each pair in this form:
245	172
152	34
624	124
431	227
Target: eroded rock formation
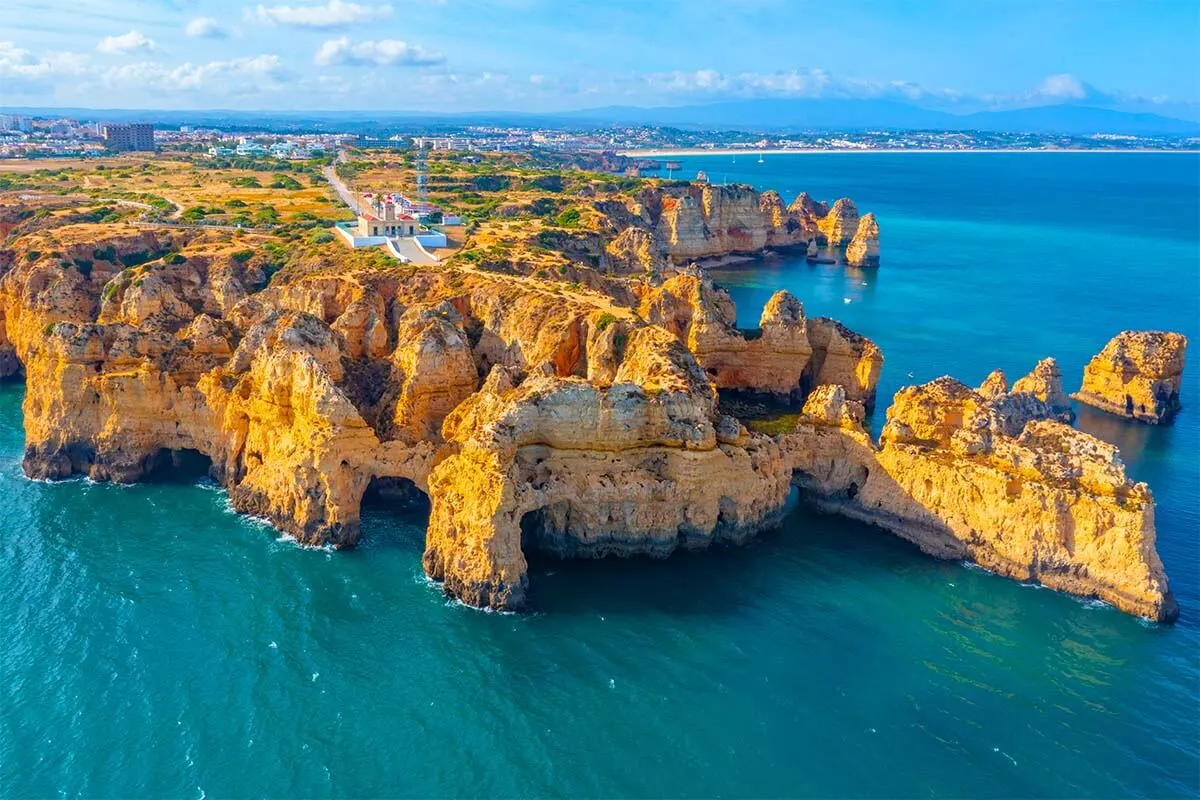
863	250
841	223
1138	375
785	356
1050	504
541	418
702	221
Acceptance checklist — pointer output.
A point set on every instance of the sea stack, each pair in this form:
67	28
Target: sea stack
840	224
1137	375
864	247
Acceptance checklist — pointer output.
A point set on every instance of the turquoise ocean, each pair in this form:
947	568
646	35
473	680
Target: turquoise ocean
154	644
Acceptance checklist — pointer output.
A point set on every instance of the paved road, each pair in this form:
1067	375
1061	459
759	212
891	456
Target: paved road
343	191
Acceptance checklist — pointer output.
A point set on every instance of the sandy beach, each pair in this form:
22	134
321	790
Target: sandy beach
698	151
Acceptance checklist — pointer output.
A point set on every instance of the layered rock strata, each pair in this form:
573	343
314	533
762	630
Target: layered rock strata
1137	375
703	221
841	223
541	419
786	355
1051	504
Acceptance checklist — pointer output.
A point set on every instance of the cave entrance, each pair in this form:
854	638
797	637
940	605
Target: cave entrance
394	513
184	466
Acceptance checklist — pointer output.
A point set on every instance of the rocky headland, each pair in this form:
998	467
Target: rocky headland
580	416
1137	375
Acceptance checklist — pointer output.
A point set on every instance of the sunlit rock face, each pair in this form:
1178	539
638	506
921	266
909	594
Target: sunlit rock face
863	250
536	417
1050	504
1137	375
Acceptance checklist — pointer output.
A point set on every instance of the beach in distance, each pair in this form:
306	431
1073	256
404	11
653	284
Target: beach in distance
817	151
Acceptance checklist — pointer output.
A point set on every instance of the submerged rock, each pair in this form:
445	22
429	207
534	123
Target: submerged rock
1137	375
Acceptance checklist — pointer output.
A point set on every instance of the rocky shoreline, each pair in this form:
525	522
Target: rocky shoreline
541	415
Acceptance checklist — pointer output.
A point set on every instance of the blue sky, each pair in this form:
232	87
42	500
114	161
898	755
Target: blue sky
540	55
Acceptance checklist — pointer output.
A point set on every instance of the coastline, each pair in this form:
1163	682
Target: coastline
686	152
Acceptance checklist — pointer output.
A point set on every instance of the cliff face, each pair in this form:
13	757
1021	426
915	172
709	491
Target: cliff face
1051	504
863	250
536	417
579	470
841	223
706	221
786	356
1137	375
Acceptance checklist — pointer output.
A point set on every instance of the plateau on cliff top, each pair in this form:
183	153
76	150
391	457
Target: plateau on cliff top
560	383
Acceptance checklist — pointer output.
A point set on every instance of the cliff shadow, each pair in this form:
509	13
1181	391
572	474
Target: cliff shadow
394	514
182	466
786	563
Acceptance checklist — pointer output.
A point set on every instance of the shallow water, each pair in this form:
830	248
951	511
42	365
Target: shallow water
157	644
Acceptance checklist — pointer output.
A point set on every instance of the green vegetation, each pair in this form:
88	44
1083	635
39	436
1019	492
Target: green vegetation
174	258
605	320
32	255
773	425
138	258
245	183
321	237
242	256
286	182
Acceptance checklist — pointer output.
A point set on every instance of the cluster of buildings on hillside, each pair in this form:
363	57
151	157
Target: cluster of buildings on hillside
394	214
492	139
23	136
402	226
285	148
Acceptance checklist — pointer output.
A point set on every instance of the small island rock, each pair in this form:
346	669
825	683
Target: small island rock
1137	375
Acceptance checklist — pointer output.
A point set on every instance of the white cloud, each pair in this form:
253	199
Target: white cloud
235	76
131	42
1054	89
334	14
25	73
205	28
384	53
1063	87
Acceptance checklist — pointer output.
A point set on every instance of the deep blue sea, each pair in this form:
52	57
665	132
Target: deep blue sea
154	644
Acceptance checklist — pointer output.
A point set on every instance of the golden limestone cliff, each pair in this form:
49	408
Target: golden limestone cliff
535	415
1050	504
1137	375
702	221
841	223
786	355
863	250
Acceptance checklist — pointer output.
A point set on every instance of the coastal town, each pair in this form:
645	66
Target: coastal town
27	136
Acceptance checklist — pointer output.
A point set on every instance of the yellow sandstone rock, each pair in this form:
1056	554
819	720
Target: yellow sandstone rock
577	423
841	223
1051	505
1138	375
863	250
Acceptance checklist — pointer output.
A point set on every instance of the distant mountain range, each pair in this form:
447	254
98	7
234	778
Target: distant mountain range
847	115
763	115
